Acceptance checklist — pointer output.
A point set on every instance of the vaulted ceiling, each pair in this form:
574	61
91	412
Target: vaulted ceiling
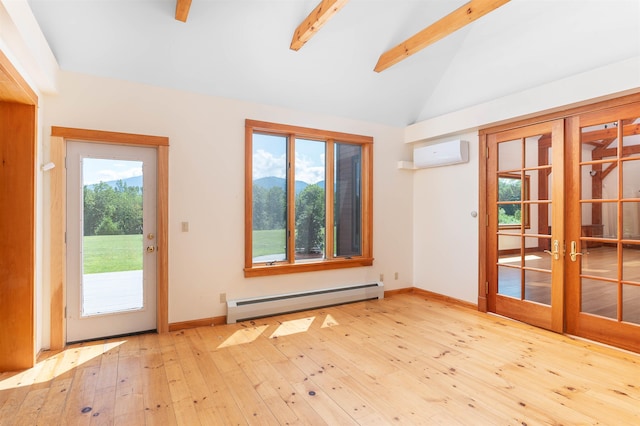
241	49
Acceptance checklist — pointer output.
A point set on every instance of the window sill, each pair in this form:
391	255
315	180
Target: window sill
292	268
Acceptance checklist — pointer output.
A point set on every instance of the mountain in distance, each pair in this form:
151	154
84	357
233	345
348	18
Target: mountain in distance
132	181
271	181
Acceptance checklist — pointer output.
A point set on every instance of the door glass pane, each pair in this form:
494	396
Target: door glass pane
600	298
269	198
599	181
631	303
601	219
537	286
631	221
631	179
631	262
310	199
347	200
538	150
631	137
509	280
509	265
510	155
600	261
604	137
535	257
112	243
509	215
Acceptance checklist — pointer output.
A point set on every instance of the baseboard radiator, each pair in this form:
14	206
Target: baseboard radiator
259	307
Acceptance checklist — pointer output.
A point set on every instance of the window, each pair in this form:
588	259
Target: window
510	195
294	222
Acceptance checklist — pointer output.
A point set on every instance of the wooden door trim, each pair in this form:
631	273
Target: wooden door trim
562	113
57	214
13	87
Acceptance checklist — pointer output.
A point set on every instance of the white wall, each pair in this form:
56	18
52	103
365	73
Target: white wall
206	186
445	246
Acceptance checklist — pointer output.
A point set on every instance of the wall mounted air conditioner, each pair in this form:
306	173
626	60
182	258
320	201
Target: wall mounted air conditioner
441	154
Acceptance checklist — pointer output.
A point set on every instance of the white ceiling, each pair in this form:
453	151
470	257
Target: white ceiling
240	49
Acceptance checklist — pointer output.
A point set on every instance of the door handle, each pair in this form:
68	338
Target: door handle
556	250
574	251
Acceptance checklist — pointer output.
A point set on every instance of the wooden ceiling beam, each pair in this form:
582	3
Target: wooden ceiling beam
182	10
451	23
316	19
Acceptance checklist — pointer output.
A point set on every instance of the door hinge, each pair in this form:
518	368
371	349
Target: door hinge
487	220
486	287
486	151
65	312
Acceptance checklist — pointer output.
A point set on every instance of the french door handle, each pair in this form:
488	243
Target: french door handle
574	251
556	250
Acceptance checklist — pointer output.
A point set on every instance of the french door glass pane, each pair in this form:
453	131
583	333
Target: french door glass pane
310	199
269	220
112	243
348	200
600	298
537	286
631	221
597	187
631	303
510	155
631	179
535	257
509	281
631	263
631	137
601	261
604	213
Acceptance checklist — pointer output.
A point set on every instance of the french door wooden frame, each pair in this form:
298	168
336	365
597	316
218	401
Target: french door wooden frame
59	137
574	321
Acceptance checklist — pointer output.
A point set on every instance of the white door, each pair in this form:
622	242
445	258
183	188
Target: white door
111	240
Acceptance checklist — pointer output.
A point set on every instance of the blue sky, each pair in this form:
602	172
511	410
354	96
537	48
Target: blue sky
269	158
96	170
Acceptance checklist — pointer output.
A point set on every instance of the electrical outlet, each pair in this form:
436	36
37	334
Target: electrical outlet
381	277
223	297
395	276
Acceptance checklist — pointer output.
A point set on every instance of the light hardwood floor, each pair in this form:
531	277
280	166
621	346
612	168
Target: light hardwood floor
403	360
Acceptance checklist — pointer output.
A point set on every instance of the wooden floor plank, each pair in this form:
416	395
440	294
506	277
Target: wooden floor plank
406	359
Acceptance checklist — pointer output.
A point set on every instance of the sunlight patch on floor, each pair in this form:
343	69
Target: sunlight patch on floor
58	364
246	335
293	326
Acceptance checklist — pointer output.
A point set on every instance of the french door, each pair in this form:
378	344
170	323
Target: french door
526	224
563	227
111	240
603	242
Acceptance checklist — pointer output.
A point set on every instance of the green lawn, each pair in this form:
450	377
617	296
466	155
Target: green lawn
270	241
112	253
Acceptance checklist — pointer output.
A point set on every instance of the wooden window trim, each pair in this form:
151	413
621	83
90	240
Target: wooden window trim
366	142
59	137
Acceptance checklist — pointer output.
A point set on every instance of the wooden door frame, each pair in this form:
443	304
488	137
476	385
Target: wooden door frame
18	155
59	138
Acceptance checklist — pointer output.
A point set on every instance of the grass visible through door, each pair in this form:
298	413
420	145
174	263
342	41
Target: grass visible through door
112	253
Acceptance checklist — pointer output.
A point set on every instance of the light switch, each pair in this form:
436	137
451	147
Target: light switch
185	226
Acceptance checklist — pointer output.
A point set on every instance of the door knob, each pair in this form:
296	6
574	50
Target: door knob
556	250
574	251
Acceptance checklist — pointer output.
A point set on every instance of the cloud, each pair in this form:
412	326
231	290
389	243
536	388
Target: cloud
306	171
266	164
